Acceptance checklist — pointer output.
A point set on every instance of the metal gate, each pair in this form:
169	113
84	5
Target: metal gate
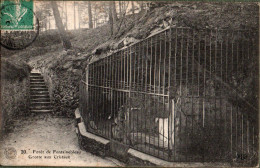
179	95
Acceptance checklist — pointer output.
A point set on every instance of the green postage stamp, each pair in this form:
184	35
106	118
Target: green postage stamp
17	15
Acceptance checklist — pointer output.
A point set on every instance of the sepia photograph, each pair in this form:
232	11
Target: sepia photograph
129	83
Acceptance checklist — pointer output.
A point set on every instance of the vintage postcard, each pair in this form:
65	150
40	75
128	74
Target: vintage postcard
129	83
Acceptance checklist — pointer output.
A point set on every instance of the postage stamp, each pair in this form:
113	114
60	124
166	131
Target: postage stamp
19	25
17	15
129	83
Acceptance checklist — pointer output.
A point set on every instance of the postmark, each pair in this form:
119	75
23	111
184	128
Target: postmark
10	153
19	24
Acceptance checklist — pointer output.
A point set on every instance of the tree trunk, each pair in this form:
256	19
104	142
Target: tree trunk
63	36
66	9
120	8
133	7
95	18
79	14
115	18
90	15
111	22
62	10
74	15
142	6
49	20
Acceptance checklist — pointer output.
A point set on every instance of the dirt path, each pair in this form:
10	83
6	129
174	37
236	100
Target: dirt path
45	132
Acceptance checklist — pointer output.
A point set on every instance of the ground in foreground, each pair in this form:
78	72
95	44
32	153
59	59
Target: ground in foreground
37	134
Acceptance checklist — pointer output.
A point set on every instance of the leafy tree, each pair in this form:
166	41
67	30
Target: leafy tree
90	15
64	38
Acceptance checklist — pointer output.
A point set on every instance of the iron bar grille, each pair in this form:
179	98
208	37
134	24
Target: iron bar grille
179	95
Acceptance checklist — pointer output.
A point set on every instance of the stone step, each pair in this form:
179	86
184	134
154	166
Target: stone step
36	96
37	83
36	77
40	96
41	107
36	80
38	89
41	84
39	99
35	74
41	111
39	93
40	104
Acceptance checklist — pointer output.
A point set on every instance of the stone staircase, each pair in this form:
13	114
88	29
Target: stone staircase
39	94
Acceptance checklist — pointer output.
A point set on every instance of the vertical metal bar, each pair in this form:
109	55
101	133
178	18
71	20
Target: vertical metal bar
187	94
96	94
160	60
242	54
187	61
236	132
232	52
117	85
134	67
215	73
248	49
175	82
118	70
253	150
164	78
198	84
159	66
158	78
242	136
104	93
227	40
247	137
111	88
102	96
155	62
147	56
180	94
151	63
139	58
231	134
146	79
204	79
221	87
107	91
152	77
146	67
142	56
192	81
99	94
124	73
237	52
210	59
175	56
138	81
127	68
130	87
181	62
169	101
133	85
